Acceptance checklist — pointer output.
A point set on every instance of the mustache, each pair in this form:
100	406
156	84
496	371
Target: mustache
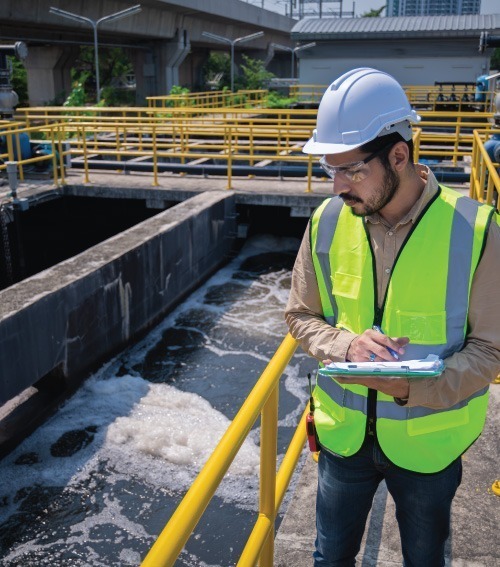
348	197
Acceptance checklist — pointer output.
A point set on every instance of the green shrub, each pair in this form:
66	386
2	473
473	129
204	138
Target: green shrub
275	100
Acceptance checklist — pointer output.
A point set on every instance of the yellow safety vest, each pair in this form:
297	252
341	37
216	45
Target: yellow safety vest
427	300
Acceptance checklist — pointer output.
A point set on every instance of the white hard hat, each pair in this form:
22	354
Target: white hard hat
359	106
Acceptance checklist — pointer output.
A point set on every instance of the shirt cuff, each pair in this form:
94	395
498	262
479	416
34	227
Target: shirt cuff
419	391
340	346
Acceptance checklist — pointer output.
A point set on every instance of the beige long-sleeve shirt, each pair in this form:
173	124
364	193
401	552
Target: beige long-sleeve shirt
467	371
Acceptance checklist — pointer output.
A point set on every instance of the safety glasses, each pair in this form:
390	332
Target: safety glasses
356	171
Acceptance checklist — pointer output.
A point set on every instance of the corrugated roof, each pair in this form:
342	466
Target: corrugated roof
405	26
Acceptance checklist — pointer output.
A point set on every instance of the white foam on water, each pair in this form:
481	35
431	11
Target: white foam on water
179	427
156	421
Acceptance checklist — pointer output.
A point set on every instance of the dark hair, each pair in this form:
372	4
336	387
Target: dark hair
388	142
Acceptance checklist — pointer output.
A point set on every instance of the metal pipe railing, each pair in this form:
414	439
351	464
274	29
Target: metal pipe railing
234	136
263	398
484	178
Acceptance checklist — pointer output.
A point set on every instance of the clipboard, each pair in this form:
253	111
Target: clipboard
425	367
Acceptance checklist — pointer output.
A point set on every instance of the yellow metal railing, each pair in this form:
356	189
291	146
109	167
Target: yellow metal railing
211	99
436	98
307	93
263	401
449	135
192	136
52	140
484	178
459	98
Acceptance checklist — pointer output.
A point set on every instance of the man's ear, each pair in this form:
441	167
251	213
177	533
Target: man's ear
399	156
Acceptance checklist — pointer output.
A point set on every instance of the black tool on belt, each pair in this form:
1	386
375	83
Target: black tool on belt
312	436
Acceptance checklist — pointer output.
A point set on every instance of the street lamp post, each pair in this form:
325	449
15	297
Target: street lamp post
94	23
232	43
293	51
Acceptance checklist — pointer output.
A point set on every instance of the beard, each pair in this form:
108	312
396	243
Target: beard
379	200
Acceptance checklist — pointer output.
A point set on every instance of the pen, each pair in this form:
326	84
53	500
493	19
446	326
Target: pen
391	351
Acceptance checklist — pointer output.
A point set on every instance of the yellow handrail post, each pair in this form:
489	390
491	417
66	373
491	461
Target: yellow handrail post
117	143
19	157
10	149
61	155
229	157
457	138
250	140
85	156
268	452
155	159
54	157
473	168
309	173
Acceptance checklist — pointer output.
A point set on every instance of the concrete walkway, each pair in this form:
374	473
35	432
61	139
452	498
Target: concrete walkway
474	540
257	190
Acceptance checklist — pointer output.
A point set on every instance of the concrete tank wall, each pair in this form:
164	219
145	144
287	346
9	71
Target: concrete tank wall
75	314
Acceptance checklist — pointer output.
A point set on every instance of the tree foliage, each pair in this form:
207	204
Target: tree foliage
19	80
374	12
255	75
495	60
114	66
217	71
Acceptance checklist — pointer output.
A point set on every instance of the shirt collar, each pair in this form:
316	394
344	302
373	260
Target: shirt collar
430	189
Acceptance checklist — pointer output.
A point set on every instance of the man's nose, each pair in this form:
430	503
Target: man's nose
340	185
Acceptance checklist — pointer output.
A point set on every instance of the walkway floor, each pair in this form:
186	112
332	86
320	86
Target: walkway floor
185	183
475	513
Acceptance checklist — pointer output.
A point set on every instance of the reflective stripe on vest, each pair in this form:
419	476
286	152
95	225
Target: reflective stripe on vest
385	408
446	240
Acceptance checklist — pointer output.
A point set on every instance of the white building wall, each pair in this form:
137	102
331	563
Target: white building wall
408	71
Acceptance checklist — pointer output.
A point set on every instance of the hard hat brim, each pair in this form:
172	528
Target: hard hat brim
324	148
321	148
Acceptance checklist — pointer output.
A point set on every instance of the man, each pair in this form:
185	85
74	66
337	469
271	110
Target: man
392	249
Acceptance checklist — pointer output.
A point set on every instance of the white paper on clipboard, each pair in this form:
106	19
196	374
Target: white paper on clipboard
430	366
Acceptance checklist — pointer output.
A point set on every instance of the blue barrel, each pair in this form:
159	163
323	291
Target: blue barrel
481	88
24	143
492	147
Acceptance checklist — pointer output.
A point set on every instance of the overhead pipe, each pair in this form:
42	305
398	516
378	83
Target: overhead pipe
487	40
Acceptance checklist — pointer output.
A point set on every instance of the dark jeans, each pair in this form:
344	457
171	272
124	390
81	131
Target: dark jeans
346	487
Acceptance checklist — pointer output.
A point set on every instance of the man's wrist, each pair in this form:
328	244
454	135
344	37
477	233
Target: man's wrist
403	400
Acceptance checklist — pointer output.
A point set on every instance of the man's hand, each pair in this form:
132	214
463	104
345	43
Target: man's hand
361	350
372	342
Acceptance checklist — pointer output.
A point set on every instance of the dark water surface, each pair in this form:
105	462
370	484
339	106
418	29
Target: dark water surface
96	484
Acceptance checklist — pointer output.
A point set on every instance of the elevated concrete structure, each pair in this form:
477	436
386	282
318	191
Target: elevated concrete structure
64	320
164	40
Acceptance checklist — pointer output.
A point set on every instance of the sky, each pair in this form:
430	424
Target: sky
361	6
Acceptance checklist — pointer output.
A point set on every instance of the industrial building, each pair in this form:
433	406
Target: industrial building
415	50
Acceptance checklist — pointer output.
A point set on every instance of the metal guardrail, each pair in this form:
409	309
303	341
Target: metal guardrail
53	139
196	137
211	99
263	401
484	177
436	98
